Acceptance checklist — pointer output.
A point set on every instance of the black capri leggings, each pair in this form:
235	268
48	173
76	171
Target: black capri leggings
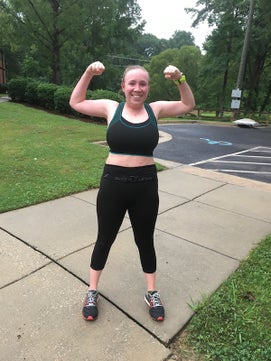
127	189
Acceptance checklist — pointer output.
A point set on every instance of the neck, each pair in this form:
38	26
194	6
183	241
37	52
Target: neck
135	113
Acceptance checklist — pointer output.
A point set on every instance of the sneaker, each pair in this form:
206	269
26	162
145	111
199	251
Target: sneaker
90	310
153	300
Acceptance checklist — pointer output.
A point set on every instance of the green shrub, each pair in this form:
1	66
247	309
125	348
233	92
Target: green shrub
61	100
105	94
16	89
52	96
3	88
31	91
46	93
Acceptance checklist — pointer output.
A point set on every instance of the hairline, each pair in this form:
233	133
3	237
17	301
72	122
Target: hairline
134	67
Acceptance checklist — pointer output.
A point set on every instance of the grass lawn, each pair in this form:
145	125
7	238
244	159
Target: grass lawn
45	156
234	324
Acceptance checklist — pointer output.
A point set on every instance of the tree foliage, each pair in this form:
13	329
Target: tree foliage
63	34
223	52
181	38
54	40
187	59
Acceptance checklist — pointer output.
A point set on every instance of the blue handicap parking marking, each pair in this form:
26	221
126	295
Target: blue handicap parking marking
218	142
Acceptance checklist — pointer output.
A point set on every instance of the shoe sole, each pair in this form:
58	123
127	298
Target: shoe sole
89	318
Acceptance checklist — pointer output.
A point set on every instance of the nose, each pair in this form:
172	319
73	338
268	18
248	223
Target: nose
138	87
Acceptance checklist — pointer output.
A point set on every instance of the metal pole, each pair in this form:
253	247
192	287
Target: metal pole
245	46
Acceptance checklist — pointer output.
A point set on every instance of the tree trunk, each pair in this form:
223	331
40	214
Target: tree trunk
56	61
55	43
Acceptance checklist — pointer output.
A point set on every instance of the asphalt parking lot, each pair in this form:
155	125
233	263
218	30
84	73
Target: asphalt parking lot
243	152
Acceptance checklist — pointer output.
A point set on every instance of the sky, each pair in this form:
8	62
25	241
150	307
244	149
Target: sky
164	17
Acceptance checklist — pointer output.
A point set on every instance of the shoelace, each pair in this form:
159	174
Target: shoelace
155	299
91	299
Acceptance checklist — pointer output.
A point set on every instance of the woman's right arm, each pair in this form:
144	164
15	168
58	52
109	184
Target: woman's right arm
99	108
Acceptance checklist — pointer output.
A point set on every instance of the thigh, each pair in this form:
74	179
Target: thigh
144	209
111	208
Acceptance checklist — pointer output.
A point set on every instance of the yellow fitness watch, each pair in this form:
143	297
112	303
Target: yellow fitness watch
181	80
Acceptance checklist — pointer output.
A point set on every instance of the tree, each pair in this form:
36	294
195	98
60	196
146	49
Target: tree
47	26
149	45
112	29
223	51
187	59
181	38
221	48
258	79
9	46
62	34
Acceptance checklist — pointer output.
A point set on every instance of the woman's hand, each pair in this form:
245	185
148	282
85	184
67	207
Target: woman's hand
172	73
96	68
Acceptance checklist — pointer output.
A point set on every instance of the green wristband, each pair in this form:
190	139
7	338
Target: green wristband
181	80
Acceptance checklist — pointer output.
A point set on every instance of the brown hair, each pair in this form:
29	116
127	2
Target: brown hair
133	67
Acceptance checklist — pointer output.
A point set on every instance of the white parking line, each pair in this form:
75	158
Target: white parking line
252	156
224	156
240	171
262	153
264	149
238	162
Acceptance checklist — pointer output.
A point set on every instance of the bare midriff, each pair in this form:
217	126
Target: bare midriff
124	160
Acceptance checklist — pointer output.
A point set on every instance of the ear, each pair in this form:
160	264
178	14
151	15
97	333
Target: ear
122	86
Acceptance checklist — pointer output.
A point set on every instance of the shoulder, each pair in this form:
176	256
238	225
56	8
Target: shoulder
111	107
150	110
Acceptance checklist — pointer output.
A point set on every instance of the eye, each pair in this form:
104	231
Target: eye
141	83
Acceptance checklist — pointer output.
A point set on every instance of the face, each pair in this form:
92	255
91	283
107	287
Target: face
136	86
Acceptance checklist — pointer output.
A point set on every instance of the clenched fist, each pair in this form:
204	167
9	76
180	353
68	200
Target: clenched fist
96	68
172	73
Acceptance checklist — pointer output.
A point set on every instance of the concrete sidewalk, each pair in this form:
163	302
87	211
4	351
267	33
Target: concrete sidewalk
208	222
4	99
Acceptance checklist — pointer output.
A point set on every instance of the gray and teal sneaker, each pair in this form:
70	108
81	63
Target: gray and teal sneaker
90	310
157	310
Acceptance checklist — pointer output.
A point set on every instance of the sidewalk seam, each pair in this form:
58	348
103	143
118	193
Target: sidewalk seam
55	262
233	212
199	245
192	199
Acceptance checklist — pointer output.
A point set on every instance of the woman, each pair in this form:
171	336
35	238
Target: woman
129	180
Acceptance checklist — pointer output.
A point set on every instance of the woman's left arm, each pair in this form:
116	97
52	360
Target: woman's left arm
165	109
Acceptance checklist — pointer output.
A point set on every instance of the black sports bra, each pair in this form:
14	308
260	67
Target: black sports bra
124	137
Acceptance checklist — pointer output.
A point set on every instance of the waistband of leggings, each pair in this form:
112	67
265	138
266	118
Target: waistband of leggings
130	174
